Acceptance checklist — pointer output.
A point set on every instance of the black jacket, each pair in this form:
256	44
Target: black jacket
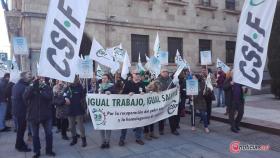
228	92
3	90
39	102
18	105
76	94
130	86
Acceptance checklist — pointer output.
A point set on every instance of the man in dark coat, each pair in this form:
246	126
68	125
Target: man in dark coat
76	110
4	101
134	86
38	97
19	110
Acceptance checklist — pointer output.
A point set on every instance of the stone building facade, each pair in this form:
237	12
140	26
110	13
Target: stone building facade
187	25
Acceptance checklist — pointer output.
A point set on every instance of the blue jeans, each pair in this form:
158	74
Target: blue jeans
220	96
138	133
202	115
3	109
47	125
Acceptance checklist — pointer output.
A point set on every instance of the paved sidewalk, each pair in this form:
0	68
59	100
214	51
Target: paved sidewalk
260	110
189	144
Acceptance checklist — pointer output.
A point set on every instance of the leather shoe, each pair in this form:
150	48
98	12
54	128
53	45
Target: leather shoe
36	155
176	133
121	143
140	142
51	154
234	130
237	128
25	149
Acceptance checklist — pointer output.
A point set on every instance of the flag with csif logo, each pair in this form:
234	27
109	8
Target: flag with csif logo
252	41
62	38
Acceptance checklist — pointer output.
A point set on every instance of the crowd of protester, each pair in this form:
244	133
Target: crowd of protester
35	101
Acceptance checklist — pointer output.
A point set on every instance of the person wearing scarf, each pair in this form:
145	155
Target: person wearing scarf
106	87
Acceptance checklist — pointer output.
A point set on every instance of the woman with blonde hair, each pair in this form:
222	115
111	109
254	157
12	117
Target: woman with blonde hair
227	90
154	86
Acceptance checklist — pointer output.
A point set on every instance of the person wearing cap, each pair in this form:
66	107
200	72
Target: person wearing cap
4	101
166	83
134	86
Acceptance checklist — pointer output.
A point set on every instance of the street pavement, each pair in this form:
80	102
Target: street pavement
261	110
188	144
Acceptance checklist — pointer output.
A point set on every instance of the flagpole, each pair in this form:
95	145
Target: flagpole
193	112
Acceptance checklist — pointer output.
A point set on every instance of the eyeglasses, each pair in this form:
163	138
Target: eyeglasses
136	73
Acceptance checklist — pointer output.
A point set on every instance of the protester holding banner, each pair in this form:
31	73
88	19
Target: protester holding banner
134	86
76	110
61	108
220	78
38	97
200	103
119	83
106	87
166	83
19	109
154	86
4	102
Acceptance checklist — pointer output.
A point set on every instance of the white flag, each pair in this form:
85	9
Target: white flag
176	75
252	42
62	38
118	53
208	82
125	67
154	66
222	65
98	54
163	57
99	72
147	58
156	46
180	61
140	67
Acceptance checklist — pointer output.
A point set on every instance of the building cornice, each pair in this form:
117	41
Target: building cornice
137	25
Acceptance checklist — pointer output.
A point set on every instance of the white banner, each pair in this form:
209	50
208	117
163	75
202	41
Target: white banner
252	41
192	87
20	46
205	57
85	68
62	38
115	111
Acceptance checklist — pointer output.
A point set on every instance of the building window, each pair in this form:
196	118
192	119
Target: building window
230	51
205	3
139	44
174	43
204	45
230	4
